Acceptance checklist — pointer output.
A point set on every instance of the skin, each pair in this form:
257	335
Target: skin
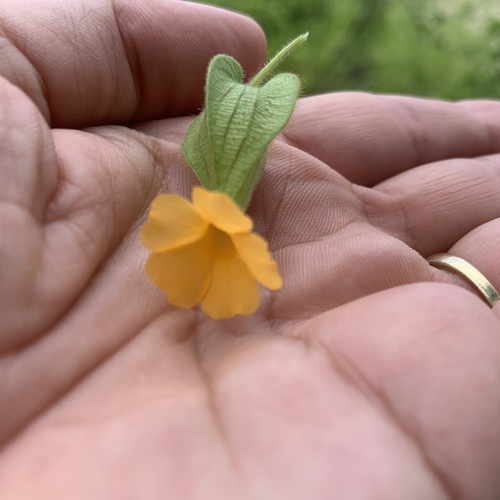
370	375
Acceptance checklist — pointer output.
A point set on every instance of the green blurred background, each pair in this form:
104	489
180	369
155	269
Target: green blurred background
439	48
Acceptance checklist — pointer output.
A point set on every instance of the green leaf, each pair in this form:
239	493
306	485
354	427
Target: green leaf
197	150
227	143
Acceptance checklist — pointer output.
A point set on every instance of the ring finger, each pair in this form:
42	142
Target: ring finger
481	249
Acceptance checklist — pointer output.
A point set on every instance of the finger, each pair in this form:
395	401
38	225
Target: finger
369	138
97	201
481	248
104	61
430	208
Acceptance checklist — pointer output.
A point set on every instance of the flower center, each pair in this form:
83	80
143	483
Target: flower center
221	243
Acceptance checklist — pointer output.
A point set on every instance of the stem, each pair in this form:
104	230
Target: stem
269	68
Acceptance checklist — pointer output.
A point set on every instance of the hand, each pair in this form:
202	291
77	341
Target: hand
370	375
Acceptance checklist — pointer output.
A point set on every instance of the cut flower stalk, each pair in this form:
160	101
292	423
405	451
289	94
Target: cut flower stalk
205	252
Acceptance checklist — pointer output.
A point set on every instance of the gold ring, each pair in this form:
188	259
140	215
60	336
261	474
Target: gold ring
467	271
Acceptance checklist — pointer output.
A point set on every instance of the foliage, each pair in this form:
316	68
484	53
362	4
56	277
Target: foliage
448	49
226	145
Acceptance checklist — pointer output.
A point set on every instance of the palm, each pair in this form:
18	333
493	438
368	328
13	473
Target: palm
114	394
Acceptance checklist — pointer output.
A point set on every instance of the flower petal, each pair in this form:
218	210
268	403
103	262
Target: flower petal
183	274
221	211
253	251
172	222
233	289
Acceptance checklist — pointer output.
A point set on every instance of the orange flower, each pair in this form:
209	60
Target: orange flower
205	253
